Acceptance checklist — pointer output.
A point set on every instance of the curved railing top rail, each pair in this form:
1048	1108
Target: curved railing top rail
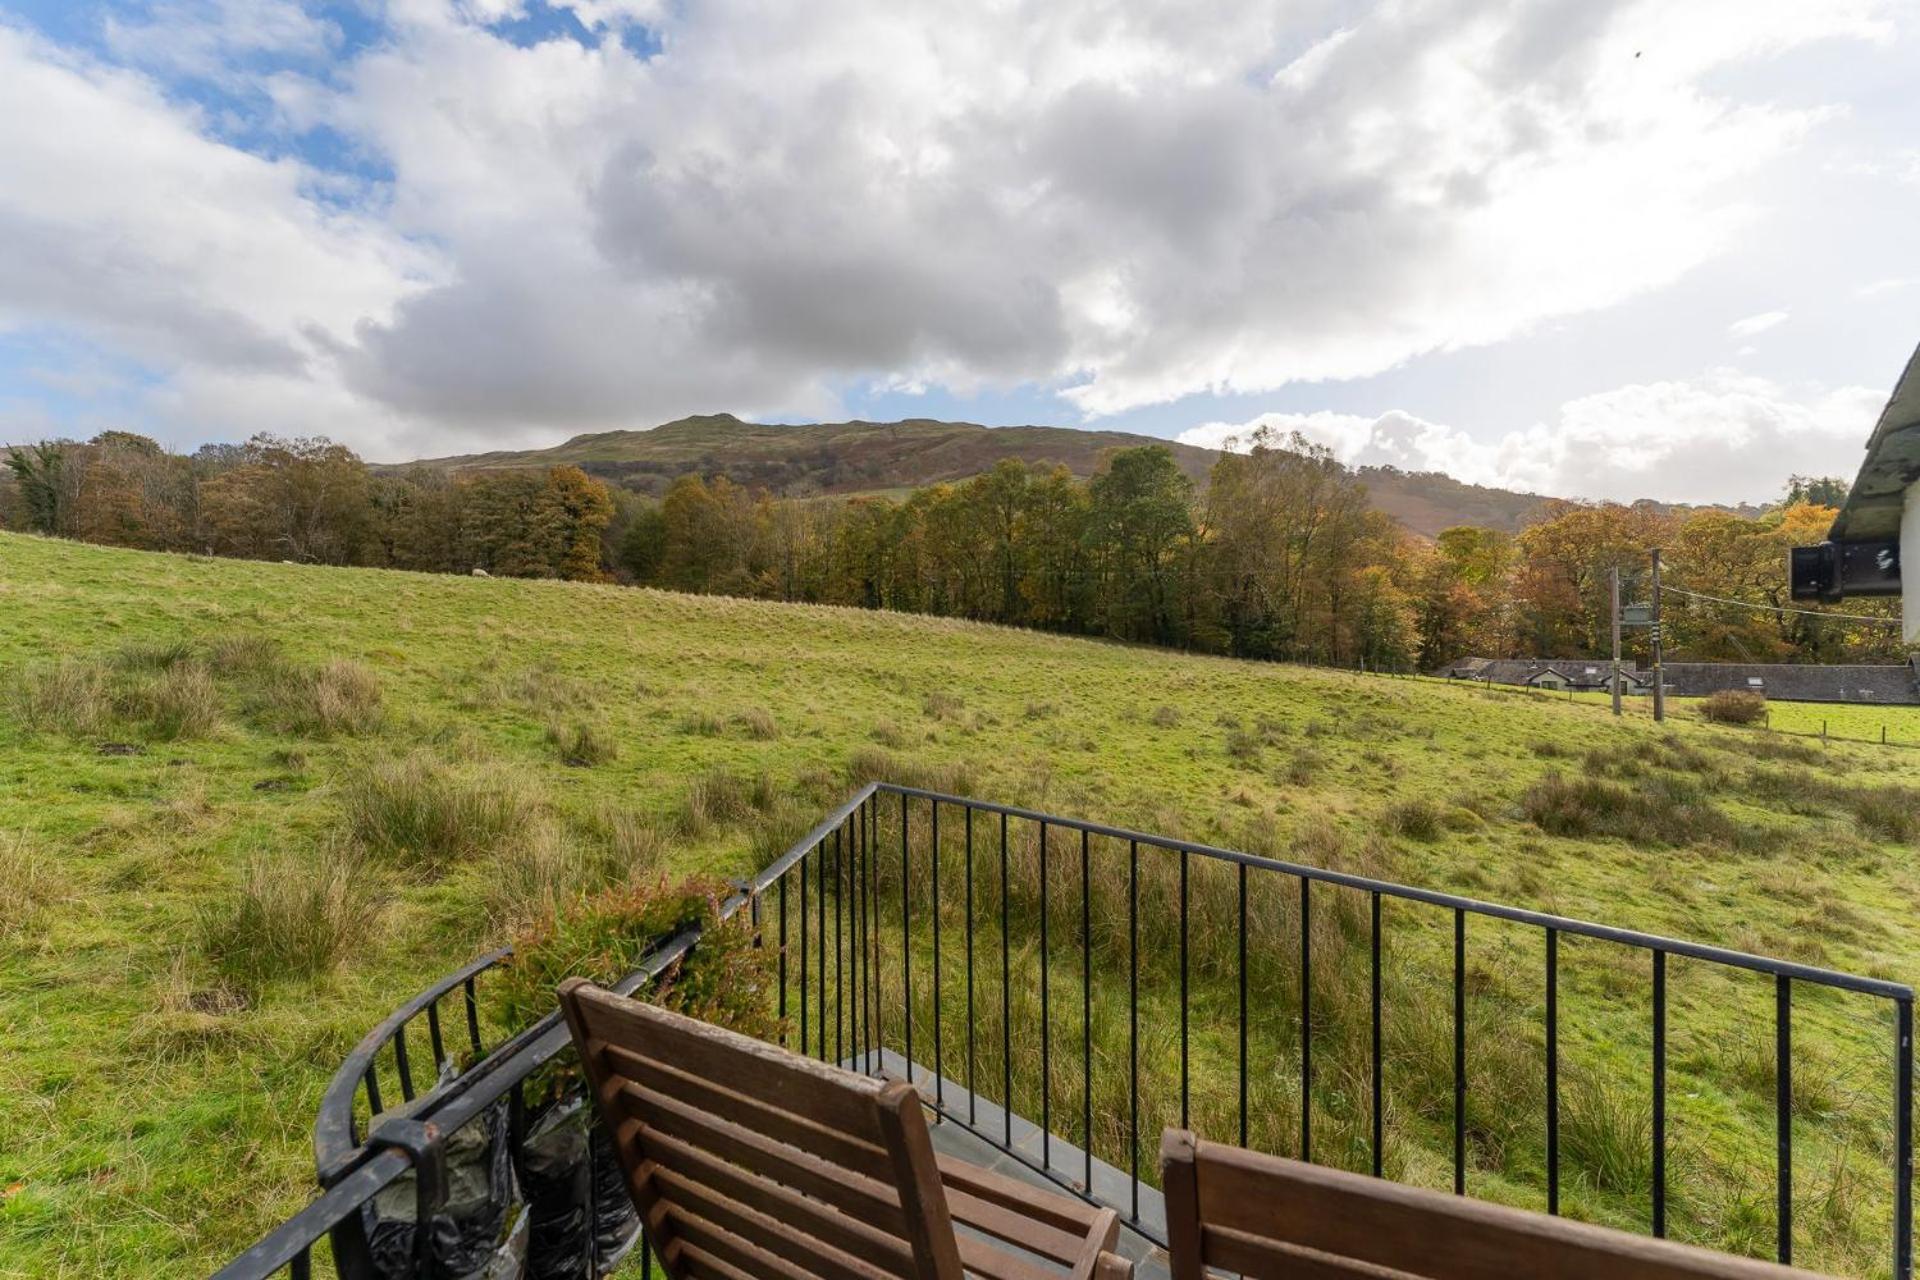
334	1138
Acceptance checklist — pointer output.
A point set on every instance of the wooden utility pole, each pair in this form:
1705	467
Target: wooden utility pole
1613	592
1659	679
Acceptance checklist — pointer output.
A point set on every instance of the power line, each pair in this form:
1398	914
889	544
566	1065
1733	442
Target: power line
1775	608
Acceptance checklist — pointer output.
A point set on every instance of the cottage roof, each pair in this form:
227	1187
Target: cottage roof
1872	509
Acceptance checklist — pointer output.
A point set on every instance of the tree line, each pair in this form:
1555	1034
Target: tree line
311	501
1277	556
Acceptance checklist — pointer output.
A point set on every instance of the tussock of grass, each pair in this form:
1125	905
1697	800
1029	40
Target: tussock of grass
543	872
1416	819
154	655
759	724
242	654
29	882
634	843
68	696
1888	812
179	700
1663	810
290	919
1244	745
537	689
702	724
720	797
1302	767
1750	1061
1606	1136
424	814
173	689
1784	749
941	705
337	697
581	745
867	764
189	1021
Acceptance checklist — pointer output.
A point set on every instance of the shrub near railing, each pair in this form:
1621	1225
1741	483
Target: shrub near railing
579	1218
604	936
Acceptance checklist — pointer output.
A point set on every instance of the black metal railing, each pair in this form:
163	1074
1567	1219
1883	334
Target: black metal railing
869	955
945	937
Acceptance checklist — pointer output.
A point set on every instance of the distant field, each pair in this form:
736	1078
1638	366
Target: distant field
181	737
1838	719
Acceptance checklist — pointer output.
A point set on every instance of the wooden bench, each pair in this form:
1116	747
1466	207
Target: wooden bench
747	1160
1235	1210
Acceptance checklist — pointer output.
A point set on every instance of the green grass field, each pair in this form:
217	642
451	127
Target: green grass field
220	871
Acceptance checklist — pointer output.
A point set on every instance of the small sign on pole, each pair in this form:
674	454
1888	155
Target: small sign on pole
1636	615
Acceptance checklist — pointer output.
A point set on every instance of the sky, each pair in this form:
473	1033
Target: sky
1604	249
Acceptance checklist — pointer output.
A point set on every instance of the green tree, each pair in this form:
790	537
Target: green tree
573	510
1140	511
643	543
1820	491
40	474
301	498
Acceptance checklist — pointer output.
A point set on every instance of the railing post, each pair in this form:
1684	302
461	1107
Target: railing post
1459	1051
933	909
1133	1020
1306	1020
1006	992
1046	1020
1903	1140
782	882
1379	1056
1553	1071
1185	1090
1242	975
1659	1093
906	936
972	1092
1086	1009
1783	1111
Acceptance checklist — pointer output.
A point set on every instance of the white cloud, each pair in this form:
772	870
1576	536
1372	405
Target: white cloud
181	254
201	38
1134	202
1722	437
1751	325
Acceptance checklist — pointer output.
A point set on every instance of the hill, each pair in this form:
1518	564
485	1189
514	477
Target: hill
867	457
207	903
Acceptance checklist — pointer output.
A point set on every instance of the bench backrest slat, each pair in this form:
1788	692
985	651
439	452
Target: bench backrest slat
747	1160
1262	1215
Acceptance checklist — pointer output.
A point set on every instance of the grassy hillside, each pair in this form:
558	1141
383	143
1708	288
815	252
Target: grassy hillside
896	457
220	784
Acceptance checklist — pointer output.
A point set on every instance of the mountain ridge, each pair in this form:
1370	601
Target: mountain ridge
845	459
